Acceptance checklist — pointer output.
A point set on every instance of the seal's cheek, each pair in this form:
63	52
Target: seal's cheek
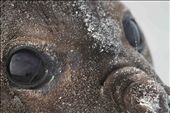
11	103
49	99
132	90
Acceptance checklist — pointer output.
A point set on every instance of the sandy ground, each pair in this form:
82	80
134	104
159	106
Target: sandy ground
153	17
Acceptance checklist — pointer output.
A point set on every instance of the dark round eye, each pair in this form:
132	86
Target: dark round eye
133	33
26	68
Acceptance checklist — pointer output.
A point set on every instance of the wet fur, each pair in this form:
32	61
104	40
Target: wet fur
86	73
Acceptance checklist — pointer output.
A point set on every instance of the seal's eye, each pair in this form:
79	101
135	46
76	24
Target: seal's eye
133	33
26	68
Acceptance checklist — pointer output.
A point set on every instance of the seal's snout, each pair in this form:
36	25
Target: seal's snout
147	96
136	92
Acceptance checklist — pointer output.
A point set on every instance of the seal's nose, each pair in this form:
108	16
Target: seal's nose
136	91
25	67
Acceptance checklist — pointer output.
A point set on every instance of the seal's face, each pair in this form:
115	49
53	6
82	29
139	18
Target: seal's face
83	57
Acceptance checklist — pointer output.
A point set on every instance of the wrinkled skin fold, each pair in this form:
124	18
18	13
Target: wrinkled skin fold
93	68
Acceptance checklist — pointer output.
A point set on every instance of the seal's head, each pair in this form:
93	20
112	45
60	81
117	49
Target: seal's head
83	57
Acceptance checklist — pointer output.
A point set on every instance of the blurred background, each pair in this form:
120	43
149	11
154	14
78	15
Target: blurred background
153	18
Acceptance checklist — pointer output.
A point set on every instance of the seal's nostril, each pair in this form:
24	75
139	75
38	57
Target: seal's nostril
25	67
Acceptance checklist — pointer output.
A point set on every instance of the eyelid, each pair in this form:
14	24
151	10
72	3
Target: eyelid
39	44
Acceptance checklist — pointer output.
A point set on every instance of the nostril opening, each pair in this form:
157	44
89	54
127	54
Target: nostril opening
25	67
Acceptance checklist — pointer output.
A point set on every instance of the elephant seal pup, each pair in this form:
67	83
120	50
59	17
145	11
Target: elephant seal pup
76	57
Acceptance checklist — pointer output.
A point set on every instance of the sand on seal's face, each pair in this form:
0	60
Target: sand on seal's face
90	63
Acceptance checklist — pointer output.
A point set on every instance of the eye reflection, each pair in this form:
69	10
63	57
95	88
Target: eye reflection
26	68
132	32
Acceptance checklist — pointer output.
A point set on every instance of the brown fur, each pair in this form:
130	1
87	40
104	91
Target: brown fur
89	80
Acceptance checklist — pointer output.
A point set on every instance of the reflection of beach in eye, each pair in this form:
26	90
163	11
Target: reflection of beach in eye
153	17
